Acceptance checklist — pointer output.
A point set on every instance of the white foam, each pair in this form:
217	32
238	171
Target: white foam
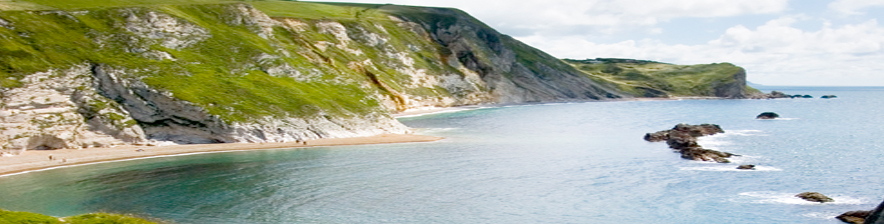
780	119
730	168
744	132
771	197
435	130
819	215
435	111
744	159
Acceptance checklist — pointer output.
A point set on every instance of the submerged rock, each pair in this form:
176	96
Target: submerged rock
683	139
855	217
767	116
746	167
815	197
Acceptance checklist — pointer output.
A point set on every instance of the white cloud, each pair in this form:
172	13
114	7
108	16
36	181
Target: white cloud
774	53
853	7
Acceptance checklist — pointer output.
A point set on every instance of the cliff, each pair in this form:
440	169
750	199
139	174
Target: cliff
656	79
99	73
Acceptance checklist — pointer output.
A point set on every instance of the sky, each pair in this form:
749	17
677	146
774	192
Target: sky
778	42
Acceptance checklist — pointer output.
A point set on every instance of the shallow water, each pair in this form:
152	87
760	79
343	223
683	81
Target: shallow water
550	163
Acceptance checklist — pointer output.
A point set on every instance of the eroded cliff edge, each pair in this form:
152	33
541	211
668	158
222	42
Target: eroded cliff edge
267	71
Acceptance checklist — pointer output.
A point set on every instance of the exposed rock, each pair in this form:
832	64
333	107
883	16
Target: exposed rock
58	109
855	217
875	216
746	167
828	97
771	95
767	116
814	197
778	94
802	96
683	139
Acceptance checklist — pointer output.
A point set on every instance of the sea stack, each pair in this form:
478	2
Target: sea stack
767	116
746	167
815	197
683	139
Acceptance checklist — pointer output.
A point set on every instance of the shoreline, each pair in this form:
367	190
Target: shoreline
38	160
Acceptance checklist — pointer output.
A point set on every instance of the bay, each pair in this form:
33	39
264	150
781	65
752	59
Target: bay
543	163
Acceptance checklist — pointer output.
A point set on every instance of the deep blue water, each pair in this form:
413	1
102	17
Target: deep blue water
549	163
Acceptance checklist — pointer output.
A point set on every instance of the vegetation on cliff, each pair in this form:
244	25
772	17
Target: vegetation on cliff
232	71
91	218
656	79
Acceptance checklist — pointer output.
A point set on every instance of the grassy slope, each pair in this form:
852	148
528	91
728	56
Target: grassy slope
648	78
91	218
221	73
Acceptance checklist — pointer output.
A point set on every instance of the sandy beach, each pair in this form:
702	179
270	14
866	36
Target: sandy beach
39	159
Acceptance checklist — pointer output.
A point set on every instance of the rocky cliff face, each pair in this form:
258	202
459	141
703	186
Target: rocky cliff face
268	71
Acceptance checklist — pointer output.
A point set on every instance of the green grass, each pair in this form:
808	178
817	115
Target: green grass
648	78
13	217
221	73
82	4
105	218
313	11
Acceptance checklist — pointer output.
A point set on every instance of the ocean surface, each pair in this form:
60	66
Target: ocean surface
545	163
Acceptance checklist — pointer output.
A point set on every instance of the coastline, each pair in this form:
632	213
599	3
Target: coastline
36	160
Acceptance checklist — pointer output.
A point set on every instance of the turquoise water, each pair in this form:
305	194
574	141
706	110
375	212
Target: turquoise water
549	163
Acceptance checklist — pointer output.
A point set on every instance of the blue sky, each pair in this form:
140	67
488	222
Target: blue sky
778	42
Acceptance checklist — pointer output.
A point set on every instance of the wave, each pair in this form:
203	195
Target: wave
418	112
820	215
434	130
744	132
771	197
730	168
781	119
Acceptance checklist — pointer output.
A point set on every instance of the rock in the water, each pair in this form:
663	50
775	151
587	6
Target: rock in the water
746	167
815	197
807	96
828	97
855	217
875	216
778	94
683	139
767	116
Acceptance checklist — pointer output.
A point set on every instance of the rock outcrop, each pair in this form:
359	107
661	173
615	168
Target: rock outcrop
767	116
854	217
746	167
683	139
814	197
864	217
771	95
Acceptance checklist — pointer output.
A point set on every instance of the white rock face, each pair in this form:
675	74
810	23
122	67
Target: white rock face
170	31
249	16
60	109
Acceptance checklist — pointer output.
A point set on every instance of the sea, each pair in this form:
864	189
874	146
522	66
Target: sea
540	163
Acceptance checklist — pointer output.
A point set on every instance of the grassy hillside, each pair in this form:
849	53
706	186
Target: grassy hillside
13	217
227	72
655	79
